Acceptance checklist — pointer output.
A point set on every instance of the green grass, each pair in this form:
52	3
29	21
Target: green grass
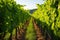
30	33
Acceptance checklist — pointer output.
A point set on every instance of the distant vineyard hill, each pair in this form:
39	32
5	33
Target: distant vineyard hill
32	10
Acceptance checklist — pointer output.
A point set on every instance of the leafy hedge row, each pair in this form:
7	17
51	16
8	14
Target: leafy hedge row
49	16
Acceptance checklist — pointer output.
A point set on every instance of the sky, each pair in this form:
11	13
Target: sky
30	4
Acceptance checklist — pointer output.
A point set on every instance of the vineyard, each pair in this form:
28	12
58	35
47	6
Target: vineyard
19	24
